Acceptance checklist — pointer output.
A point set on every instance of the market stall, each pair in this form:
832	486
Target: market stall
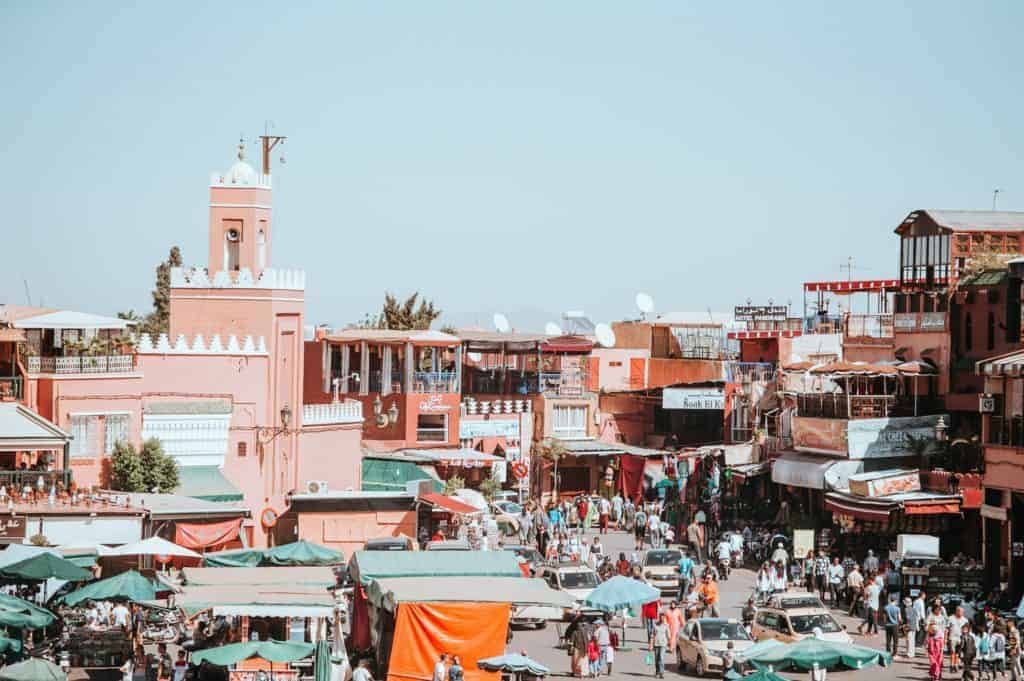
299	553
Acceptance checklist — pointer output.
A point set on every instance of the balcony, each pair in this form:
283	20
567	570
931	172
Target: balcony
841	406
1008	432
10	388
435	382
349	411
19	480
89	364
869	327
568	383
749	372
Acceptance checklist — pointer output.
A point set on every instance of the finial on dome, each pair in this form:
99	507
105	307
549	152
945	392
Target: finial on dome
241	148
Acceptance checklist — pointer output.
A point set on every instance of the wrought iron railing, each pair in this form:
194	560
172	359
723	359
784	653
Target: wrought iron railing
347	411
1006	431
88	364
18	480
842	406
749	372
435	382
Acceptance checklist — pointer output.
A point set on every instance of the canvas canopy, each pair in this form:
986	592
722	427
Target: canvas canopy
513	663
322	577
45	566
388	593
127	586
296	554
424	630
154	546
367	565
20	614
271	651
257	601
811	652
33	669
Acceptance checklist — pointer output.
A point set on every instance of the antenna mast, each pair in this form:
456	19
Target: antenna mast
995	195
269	142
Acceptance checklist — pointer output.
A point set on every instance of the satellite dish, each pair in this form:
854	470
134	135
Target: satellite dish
475	356
552	329
644	302
605	335
501	323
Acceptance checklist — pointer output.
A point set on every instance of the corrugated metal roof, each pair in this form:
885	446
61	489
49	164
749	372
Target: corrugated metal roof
973	220
21	429
426	337
596	447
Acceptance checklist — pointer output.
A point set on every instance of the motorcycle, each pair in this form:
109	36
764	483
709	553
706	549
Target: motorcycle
723	568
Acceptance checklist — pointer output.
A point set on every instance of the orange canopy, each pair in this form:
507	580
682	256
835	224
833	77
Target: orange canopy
423	631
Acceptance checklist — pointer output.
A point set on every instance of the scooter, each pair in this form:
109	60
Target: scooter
723	568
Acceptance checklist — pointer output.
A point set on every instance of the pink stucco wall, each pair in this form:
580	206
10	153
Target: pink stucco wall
331	453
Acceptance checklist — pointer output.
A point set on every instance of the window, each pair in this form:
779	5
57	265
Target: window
614	364
84	434
968	332
243	449
990	332
115	430
432	428
569	421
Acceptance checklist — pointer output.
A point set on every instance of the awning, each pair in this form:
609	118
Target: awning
589	447
1011	364
863	508
366	565
934	507
519	591
443	503
749	470
462	456
23	429
567	344
879	508
801	470
67	319
206	482
205	535
388	475
256	601
260	576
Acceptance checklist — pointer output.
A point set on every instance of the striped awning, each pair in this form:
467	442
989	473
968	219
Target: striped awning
1003	365
863	508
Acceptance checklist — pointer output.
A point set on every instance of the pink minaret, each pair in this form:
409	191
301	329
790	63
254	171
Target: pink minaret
240	231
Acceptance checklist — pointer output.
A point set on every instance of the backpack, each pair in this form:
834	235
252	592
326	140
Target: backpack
983	645
998	644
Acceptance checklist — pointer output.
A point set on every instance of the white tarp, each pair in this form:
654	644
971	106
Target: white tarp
101	529
814	472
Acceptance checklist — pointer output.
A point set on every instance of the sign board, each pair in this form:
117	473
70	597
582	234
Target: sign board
434	403
507	428
12	527
884	438
693	398
878	485
820	436
803	541
750	313
993	512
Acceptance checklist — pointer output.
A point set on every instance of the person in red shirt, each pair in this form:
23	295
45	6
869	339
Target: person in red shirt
594	656
649	612
623	566
582	509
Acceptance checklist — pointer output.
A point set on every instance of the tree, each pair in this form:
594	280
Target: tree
554	452
158	321
142	471
490	486
404	316
452	484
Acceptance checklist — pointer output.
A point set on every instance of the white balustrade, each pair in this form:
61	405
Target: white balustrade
349	411
88	364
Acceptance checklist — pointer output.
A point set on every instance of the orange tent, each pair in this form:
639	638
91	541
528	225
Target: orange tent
423	631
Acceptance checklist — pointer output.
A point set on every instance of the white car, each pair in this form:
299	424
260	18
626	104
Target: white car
701	643
574	579
661	568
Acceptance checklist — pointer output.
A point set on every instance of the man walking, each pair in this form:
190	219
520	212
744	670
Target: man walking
685	575
658	644
913	622
821	574
693	535
872	594
855	588
893	619
440	669
836	575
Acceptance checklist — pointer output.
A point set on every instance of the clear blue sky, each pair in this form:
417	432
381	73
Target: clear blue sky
527	157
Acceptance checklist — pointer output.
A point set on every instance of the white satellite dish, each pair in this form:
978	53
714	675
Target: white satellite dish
605	335
501	323
475	356
644	303
552	329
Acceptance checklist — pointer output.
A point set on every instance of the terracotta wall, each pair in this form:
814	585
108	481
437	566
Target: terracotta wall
614	367
1004	467
668	372
625	418
348	531
632	335
332	453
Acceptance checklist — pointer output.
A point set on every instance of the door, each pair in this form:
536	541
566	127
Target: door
637	373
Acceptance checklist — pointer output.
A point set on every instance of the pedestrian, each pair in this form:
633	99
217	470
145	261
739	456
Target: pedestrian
604	512
836	578
693	536
658	643
623	567
764	582
362	671
935	628
685	574
893	582
604	644
954	629
455	671
870	563
872	594
779	584
709	594
674	618
654	527
649	613
617	505
577	635
728	660
893	619
997	651
692	603
967	651
808	566
821	575
913	624
854	588
164	667
848	565
920	604
441	668
594	657
640	527
1013	651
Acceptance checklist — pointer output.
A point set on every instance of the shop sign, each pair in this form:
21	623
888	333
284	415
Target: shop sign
693	398
822	436
434	403
12	527
993	512
507	428
880	487
803	542
750	313
884	438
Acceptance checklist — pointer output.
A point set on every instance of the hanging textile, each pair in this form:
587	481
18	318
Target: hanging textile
631	476
206	535
423	631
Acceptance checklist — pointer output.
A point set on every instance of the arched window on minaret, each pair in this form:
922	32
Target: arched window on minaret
232	244
261	249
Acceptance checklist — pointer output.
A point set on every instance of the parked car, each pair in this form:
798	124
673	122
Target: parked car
507	507
790	620
573	578
701	642
661	568
400	543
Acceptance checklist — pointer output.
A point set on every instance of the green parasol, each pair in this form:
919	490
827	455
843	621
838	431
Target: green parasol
45	566
619	593
21	614
300	553
9	645
271	651
127	586
816	652
322	662
513	663
33	669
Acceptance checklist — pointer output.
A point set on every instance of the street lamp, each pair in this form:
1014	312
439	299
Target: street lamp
941	434
271	433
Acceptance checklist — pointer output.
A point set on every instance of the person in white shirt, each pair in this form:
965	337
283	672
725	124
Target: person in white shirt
180	667
362	672
654	527
122	616
440	670
617	510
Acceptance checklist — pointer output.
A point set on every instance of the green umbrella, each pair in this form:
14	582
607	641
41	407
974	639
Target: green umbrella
811	652
32	669
300	553
9	645
20	614
322	662
757	649
759	675
130	586
271	651
513	663
45	566
619	593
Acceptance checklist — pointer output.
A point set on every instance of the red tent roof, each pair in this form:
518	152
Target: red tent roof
447	503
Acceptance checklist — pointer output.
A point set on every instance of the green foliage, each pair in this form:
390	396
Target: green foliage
142	471
404	316
38	540
158	321
490	487
452	484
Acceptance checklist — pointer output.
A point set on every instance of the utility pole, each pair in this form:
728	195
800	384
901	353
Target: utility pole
269	142
849	267
995	195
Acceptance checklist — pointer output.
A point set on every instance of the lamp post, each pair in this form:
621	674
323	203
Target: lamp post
941	430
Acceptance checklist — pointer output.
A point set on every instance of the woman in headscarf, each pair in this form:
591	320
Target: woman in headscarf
675	619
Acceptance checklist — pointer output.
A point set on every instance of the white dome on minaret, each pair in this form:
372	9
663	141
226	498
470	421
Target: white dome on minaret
241	172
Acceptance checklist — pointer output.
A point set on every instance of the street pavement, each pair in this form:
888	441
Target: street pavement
733	593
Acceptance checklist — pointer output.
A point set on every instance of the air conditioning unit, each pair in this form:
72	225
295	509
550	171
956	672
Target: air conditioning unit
986	404
317	487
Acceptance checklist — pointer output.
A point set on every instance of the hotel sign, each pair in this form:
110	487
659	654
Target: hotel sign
750	313
12	527
693	398
506	428
863	438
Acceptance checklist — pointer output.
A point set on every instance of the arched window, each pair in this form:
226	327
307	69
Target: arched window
261	245
991	331
968	332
